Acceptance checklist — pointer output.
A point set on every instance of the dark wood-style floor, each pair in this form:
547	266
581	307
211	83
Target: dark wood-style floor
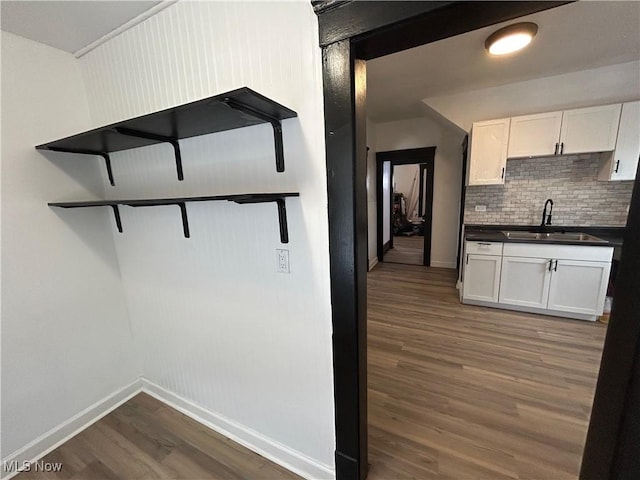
455	392
463	392
145	439
407	250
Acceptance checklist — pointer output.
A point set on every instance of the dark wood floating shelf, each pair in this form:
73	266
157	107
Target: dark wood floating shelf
227	111
246	198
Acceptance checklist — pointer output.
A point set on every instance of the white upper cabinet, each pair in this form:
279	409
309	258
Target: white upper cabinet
535	135
623	162
488	156
592	129
581	130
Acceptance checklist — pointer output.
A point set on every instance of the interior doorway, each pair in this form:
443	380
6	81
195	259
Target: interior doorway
346	47
405	205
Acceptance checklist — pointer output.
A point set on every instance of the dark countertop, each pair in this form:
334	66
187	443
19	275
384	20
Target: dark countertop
493	233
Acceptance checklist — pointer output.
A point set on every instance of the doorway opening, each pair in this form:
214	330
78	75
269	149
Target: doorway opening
383	30
404	180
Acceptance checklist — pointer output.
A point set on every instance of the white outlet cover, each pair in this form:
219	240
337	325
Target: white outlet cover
282	261
481	208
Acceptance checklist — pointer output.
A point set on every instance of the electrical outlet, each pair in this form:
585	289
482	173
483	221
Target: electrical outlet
481	208
282	259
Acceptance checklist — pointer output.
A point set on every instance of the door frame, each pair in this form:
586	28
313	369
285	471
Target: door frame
463	198
425	158
351	32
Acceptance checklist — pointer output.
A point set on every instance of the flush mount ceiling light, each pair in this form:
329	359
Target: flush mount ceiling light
511	38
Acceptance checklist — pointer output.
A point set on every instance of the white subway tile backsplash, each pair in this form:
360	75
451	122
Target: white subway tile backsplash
579	198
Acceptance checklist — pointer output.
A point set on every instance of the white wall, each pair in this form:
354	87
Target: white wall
598	86
386	202
214	324
372	201
406	180
425	132
66	338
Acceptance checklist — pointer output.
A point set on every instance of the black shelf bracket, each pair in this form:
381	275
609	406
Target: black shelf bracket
282	220
185	219
275	123
105	155
282	211
159	138
183	213
116	214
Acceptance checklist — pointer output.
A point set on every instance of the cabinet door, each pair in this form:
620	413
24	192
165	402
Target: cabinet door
534	135
525	281
578	287
481	277
625	158
488	159
591	129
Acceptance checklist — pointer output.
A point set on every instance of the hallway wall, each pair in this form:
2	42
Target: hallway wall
426	132
372	201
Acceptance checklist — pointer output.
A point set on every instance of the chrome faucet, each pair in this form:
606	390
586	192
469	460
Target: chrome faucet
546	219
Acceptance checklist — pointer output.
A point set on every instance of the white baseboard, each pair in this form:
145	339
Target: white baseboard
373	262
267	447
287	457
541	311
436	263
55	437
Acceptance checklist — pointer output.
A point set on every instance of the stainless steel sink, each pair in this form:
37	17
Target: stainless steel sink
553	237
524	235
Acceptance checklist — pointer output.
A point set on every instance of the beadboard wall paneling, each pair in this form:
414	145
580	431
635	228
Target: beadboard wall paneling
213	321
579	198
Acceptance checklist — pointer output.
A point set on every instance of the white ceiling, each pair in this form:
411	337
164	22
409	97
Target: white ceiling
574	37
70	25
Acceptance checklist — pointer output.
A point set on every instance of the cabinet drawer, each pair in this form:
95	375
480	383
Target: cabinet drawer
484	248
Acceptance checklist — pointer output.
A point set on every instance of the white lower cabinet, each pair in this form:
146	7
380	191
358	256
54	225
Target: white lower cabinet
578	286
560	280
525	281
481	277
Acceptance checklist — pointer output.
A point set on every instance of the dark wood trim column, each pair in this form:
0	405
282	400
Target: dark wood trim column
345	95
613	441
